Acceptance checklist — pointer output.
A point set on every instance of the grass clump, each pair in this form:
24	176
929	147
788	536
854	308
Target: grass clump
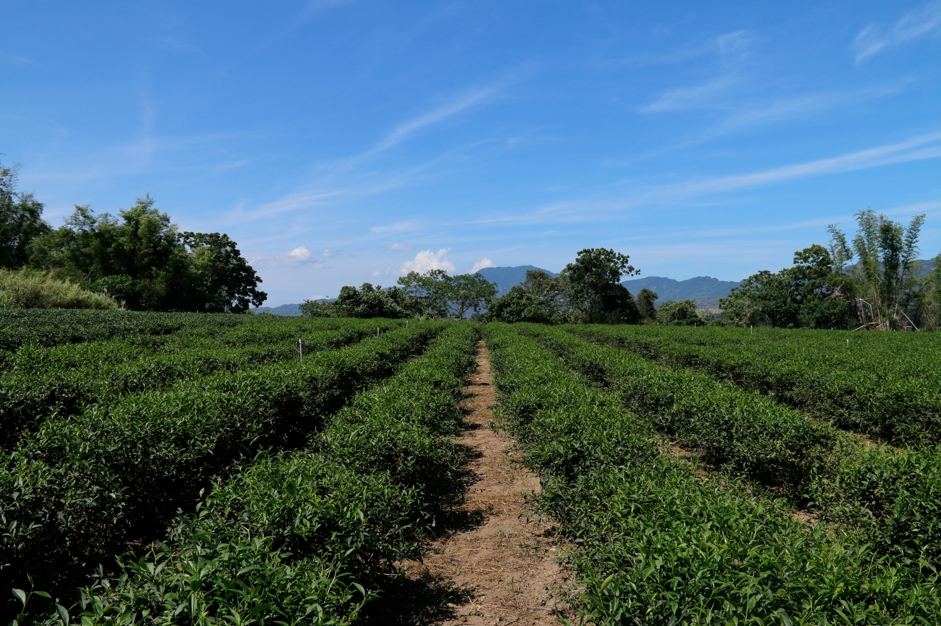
34	289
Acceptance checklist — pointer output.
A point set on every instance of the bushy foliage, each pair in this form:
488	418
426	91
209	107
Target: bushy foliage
885	491
885	386
587	291
811	294
33	289
679	313
21	221
143	261
366	302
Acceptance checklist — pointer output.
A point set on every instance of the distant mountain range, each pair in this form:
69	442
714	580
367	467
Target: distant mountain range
506	277
284	309
705	290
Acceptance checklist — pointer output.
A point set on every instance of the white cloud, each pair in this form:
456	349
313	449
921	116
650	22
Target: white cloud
730	43
732	47
689	97
481	264
299	254
426	260
393	228
329	253
918	148
873	39
402	247
456	106
377	274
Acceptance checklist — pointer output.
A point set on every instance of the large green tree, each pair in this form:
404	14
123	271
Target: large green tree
541	298
469	292
594	287
365	302
427	293
645	304
222	280
142	260
21	221
810	294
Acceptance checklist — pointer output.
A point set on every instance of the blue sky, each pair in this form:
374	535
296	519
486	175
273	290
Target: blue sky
340	142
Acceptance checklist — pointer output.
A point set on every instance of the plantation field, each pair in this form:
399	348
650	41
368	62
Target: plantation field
240	483
180	468
696	500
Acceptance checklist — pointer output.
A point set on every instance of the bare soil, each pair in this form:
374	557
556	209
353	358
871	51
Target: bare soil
501	566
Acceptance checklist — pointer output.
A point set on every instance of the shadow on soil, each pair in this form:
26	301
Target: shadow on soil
425	600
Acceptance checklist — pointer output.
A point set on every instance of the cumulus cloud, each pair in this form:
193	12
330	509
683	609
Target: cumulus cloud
426	260
481	264
299	254
329	253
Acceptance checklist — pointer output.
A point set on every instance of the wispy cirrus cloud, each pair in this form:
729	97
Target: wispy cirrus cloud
345	178
315	6
731	47
15	59
397	227
917	148
689	97
874	39
407	129
799	106
694	192
400	247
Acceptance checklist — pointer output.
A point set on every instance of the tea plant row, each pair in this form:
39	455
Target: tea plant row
658	543
78	490
892	496
309	536
887	385
63	381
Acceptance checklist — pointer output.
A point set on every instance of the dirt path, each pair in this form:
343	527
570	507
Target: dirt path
503	567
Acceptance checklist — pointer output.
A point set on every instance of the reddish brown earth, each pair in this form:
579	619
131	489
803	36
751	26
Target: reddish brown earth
502	568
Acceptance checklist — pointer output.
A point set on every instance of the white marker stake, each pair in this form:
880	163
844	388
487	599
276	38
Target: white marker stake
300	348
377	332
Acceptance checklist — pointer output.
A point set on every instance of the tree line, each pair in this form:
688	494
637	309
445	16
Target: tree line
872	281
139	257
587	290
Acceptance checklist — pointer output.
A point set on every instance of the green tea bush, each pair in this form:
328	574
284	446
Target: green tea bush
67	380
659	544
342	511
892	495
884	384
78	490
